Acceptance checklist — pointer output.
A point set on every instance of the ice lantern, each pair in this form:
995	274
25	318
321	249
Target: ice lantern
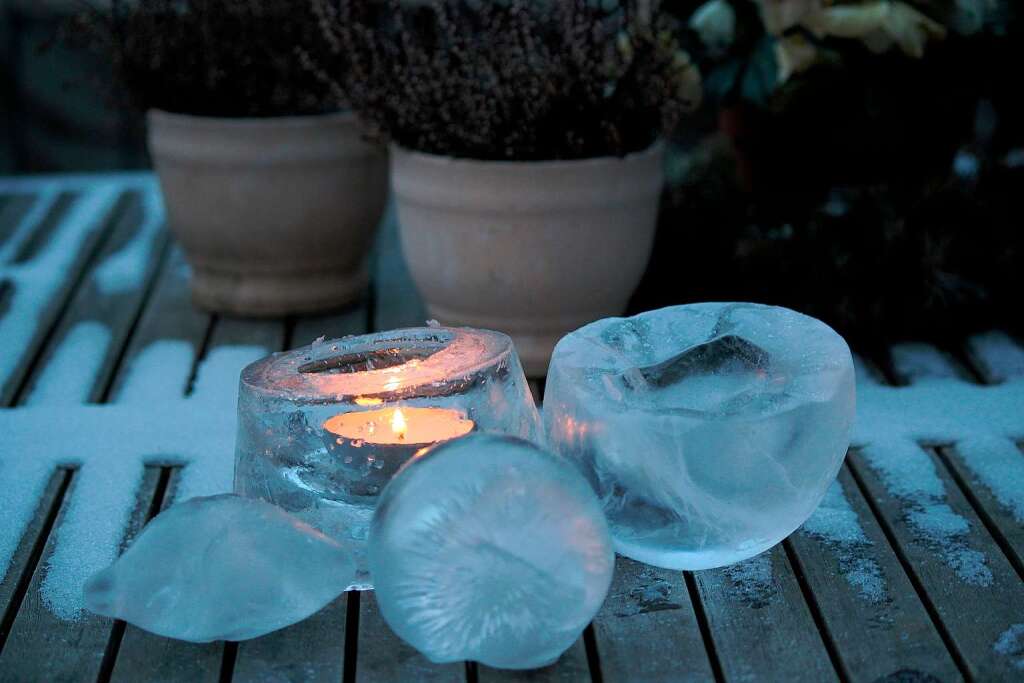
323	428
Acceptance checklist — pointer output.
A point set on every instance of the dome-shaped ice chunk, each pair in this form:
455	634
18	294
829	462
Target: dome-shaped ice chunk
221	568
490	549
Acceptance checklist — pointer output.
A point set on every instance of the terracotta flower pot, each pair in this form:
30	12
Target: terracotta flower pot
276	215
534	249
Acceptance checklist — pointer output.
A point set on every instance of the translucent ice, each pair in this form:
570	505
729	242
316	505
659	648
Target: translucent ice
287	454
221	568
710	432
490	549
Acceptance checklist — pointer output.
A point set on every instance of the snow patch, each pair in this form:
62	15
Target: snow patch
999	465
998	354
922	362
70	374
35	283
909	474
835	524
109	446
1011	644
124	270
982	422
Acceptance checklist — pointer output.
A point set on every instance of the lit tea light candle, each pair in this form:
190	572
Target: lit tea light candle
373	444
323	428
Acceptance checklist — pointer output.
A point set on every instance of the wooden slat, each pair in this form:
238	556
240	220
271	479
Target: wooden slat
397	302
312	650
146	657
116	311
12	211
872	615
996	356
1001	511
33	242
43	647
268	334
384	658
571	667
168	316
35	627
973	614
647	629
916	362
26	557
26	349
989	469
761	627
355	320
969	586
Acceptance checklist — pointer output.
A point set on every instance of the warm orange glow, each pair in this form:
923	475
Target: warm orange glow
368	401
408	426
398	424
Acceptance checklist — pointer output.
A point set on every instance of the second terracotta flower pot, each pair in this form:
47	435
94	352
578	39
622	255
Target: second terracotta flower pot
276	215
534	249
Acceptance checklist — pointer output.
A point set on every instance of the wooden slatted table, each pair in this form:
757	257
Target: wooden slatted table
911	572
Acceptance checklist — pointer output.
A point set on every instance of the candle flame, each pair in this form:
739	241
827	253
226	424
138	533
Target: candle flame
398	424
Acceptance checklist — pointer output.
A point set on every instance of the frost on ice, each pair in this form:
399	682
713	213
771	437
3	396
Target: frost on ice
221	568
490	549
709	431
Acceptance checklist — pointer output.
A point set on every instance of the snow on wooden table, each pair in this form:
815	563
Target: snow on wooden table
117	399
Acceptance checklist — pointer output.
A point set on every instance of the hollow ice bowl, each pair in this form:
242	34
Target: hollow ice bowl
709	431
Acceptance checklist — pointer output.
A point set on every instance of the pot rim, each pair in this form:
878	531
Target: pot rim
256	122
655	149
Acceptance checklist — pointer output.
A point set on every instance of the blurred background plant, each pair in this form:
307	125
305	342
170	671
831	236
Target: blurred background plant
854	163
230	58
518	79
65	62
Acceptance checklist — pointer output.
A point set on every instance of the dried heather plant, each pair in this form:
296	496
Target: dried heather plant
209	57
508	79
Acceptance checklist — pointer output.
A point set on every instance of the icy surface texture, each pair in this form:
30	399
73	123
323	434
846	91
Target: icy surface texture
221	568
285	455
710	432
492	550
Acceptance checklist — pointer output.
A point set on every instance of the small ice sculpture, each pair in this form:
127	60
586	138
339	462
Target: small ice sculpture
221	568
710	432
323	428
492	550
